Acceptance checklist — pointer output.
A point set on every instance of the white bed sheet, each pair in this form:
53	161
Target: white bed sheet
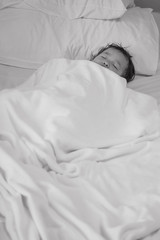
148	84
115	198
11	76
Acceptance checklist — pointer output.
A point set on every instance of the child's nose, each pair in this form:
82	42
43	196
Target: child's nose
106	64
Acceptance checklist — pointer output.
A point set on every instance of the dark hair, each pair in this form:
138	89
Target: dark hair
129	72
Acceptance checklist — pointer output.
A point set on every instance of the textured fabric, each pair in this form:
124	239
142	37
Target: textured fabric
55	186
91	9
46	37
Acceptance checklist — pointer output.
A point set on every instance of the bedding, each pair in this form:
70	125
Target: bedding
79	149
148	85
61	179
8	3
48	36
11	76
91	9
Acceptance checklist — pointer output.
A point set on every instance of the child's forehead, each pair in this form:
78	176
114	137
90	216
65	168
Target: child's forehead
115	52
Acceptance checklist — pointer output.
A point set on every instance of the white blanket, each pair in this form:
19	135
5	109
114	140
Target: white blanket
78	119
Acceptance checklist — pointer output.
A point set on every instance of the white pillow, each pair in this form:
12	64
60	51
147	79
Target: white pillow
93	9
156	16
30	38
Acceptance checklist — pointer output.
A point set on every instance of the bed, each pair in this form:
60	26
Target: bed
79	147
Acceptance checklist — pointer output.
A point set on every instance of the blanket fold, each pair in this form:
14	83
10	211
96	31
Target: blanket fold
74	110
79	157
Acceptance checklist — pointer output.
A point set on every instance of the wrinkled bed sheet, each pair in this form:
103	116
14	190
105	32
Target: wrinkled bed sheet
79	156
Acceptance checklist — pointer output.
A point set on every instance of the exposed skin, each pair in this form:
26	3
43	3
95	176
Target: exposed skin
112	59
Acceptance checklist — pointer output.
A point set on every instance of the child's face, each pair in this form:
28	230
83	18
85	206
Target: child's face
112	59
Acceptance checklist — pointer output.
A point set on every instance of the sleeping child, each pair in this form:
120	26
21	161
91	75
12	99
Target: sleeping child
117	59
